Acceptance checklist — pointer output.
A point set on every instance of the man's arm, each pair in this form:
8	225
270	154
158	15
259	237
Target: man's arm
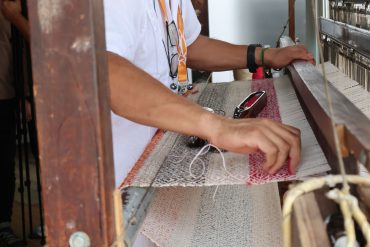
215	55
12	12
139	97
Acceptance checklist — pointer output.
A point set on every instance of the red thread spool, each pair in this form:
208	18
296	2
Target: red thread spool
259	74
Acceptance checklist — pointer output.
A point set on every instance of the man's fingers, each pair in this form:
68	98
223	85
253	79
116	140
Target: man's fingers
277	141
286	140
282	152
302	48
309	56
295	158
268	147
301	52
293	138
305	55
289	147
276	126
291	129
295	154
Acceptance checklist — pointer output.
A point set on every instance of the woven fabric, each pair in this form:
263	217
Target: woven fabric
283	106
271	111
238	217
166	160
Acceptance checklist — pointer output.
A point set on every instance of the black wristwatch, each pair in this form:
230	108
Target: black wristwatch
251	61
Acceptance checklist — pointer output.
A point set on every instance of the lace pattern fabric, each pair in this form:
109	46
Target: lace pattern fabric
239	216
166	160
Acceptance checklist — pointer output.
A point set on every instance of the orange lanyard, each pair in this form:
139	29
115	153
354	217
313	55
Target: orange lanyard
181	44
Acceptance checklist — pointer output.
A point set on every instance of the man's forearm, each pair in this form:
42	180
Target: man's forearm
22	25
139	97
215	55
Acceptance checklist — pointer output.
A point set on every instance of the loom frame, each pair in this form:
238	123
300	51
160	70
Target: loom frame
64	157
352	126
73	121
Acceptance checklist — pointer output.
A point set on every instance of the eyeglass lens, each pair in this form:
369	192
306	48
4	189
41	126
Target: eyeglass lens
174	65
173	34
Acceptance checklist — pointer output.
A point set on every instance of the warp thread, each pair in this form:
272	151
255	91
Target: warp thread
204	150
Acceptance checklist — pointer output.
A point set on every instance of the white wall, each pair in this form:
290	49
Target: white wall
252	21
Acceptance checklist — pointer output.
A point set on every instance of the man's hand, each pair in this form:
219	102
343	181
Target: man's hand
281	57
215	55
11	9
278	141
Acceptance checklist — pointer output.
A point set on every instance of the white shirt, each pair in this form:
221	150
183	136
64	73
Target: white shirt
6	78
135	30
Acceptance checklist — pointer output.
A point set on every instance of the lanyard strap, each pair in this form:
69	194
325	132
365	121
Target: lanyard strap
164	10
182	49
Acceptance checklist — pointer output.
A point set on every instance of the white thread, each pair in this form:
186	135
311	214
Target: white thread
181	157
202	152
214	193
330	181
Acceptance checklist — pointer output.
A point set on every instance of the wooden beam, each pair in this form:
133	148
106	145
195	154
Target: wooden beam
73	119
308	228
292	19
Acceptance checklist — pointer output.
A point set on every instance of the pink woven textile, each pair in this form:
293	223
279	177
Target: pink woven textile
256	160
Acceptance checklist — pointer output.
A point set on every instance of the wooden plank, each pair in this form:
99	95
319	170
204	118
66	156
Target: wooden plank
356	125
309	229
73	119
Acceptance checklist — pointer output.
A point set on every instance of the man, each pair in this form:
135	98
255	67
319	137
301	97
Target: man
9	11
140	54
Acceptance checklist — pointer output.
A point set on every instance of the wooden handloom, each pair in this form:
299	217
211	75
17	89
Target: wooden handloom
74	130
